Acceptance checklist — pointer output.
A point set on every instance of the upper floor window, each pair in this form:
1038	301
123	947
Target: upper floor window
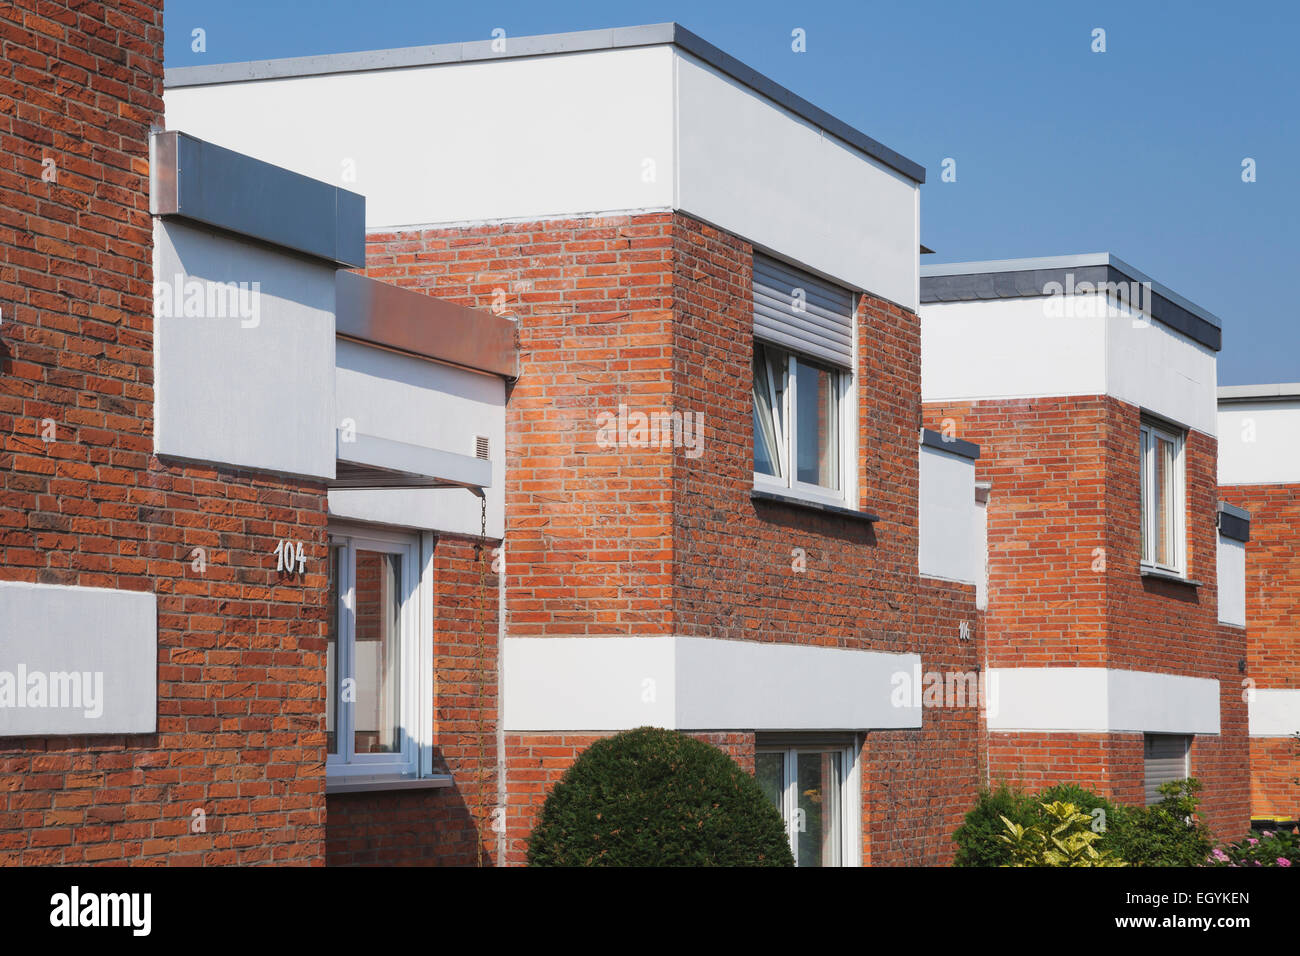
803	354
1162	498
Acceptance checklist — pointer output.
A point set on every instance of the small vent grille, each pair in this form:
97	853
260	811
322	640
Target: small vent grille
482	448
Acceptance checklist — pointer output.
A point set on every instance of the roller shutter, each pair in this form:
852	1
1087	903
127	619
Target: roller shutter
1164	758
821	329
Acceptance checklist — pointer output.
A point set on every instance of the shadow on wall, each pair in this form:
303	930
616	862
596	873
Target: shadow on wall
403	828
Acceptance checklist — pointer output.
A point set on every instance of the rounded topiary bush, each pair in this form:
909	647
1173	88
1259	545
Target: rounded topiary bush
651	797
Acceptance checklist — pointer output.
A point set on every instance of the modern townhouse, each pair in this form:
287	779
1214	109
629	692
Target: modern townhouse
1090	390
713	467
381	429
1259	482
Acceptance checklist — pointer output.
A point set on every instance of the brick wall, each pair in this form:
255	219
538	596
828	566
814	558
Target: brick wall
1272	633
1065	590
240	655
451	826
654	312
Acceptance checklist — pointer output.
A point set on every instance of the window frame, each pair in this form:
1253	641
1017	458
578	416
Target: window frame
407	761
849	796
786	429
1149	432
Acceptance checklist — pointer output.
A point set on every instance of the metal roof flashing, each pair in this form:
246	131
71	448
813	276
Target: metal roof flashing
1253	394
654	34
1027	278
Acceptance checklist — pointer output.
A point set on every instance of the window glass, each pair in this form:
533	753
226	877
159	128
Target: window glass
1164	489
377	656
818	428
818	799
332	655
769	389
769	768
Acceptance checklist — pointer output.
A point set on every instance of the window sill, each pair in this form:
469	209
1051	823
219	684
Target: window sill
362	783
758	494
1169	576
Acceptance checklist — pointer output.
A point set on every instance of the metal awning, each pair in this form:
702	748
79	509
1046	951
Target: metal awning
367	461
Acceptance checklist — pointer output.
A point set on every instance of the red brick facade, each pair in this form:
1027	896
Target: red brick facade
655	312
1065	588
1273	634
234	773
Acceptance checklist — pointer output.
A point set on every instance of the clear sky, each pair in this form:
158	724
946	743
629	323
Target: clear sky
1058	149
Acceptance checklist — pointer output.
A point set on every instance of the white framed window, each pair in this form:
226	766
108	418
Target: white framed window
815	788
373	706
1163	535
801	429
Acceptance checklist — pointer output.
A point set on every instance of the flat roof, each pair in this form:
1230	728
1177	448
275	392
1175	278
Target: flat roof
1023	278
1081	260
656	34
1280	392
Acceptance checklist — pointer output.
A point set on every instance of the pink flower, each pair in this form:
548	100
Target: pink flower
1219	855
1269	833
1283	861
1252	841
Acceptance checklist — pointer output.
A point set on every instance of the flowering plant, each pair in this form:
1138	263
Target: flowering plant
1260	848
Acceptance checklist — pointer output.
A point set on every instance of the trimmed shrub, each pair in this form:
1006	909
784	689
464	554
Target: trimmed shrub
652	797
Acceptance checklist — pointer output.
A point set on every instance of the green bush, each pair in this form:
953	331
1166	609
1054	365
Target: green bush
1166	833
1067	837
979	839
651	797
1160	835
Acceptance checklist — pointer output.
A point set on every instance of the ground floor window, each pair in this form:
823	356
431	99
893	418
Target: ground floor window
1164	759
813	785
372	657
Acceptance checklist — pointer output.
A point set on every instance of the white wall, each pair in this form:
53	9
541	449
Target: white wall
517	138
92	631
1275	713
250	392
1100	700
779	181
948	517
617	683
1259	443
1232	581
1024	348
577	134
420	402
1008	348
1152	366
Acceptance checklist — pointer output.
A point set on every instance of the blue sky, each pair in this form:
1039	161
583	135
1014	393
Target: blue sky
1136	151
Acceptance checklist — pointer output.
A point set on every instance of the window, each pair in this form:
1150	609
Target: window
799	430
803	357
1164	759
372	655
1162	498
813	787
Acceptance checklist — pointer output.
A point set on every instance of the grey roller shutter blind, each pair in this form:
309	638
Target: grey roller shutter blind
1164	758
822	329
